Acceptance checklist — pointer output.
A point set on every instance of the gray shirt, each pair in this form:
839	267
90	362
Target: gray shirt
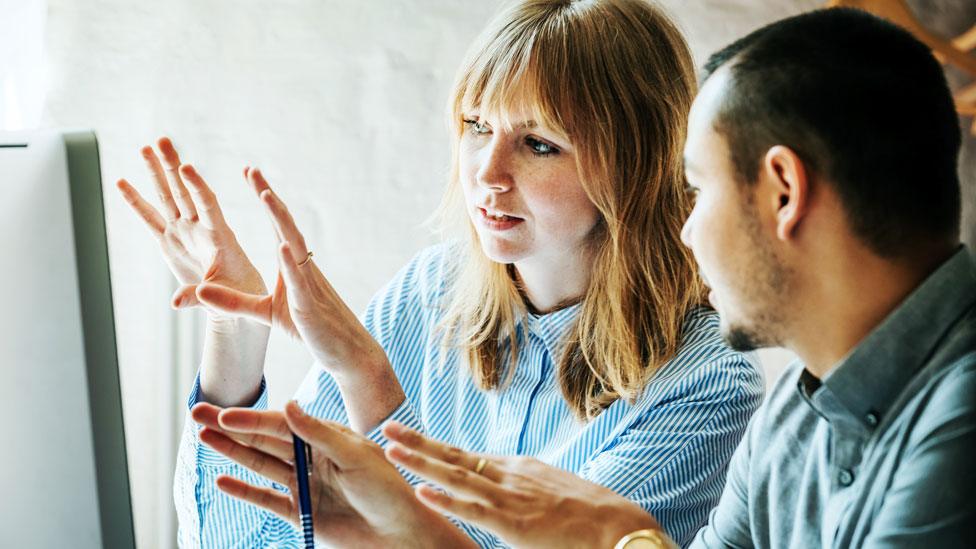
882	452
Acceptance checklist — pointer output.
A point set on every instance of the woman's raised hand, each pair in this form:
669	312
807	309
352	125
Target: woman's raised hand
306	306
193	236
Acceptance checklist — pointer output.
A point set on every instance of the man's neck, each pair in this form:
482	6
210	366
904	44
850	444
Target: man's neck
847	299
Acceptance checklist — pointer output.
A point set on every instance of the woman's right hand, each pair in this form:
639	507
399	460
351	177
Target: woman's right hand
193	236
358	498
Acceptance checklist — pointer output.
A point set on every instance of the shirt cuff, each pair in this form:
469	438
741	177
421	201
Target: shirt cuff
405	415
207	456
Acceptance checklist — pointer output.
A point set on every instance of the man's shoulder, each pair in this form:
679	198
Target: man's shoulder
947	396
946	385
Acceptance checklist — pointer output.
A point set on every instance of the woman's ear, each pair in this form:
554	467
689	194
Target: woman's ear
788	189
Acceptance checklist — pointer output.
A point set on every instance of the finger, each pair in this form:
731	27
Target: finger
185	296
256	179
260	462
280	216
295	282
143	209
280	449
337	442
206	414
233	302
469	511
204	199
457	479
171	161
266	498
452	455
261	422
170	210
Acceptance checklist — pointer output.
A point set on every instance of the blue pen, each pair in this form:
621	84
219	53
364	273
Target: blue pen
303	470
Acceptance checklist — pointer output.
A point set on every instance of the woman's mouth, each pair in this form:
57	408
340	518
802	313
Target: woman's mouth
498	221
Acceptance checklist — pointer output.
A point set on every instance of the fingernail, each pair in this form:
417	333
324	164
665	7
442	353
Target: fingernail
298	408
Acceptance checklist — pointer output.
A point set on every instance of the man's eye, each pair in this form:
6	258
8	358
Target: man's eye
540	148
476	126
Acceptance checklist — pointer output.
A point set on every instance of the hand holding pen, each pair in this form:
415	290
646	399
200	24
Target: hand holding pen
357	497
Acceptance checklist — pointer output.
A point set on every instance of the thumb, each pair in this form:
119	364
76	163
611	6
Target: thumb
185	297
338	443
235	303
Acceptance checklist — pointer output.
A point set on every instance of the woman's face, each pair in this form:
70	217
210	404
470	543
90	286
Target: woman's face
522	189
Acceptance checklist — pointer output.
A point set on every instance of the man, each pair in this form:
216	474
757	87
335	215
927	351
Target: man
822	150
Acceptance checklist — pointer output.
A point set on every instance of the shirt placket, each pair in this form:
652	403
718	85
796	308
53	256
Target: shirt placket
515	401
846	449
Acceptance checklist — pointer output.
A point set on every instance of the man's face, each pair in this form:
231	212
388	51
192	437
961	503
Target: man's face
726	232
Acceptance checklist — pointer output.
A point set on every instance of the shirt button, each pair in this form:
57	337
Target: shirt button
872	419
846	477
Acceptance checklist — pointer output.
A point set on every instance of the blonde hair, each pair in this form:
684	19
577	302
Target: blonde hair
616	77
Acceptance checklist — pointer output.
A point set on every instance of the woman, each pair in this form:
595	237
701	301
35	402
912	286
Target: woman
568	327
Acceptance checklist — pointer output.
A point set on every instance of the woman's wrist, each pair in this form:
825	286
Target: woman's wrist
232	365
430	529
370	391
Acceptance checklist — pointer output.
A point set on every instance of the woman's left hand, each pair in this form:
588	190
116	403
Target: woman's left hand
523	501
306	306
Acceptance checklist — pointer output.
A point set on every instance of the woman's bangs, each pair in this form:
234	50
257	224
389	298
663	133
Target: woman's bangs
505	82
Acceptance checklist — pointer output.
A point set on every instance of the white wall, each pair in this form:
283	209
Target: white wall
341	103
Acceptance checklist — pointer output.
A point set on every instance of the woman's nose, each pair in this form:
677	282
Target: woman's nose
495	172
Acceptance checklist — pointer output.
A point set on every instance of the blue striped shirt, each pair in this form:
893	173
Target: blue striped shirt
668	451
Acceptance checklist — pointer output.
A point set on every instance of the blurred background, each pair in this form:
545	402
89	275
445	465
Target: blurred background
341	103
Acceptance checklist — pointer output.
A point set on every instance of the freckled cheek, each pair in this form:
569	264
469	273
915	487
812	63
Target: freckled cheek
467	164
467	179
570	214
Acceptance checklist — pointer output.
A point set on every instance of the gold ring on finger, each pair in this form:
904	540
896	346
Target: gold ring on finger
307	259
480	466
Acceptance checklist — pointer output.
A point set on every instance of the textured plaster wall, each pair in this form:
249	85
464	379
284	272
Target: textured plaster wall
340	102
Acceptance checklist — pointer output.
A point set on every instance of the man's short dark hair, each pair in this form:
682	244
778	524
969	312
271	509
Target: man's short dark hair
865	105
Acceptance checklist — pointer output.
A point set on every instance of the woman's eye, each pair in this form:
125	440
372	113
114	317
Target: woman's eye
476	126
691	191
540	148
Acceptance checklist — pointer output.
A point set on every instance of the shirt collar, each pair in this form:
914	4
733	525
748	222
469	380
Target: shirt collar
862	387
551	327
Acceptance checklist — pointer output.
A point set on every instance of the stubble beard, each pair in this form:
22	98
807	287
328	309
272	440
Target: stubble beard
766	290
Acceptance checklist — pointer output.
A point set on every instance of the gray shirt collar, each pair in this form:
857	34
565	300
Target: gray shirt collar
859	391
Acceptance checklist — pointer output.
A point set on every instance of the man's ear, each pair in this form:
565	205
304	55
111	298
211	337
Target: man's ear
788	189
